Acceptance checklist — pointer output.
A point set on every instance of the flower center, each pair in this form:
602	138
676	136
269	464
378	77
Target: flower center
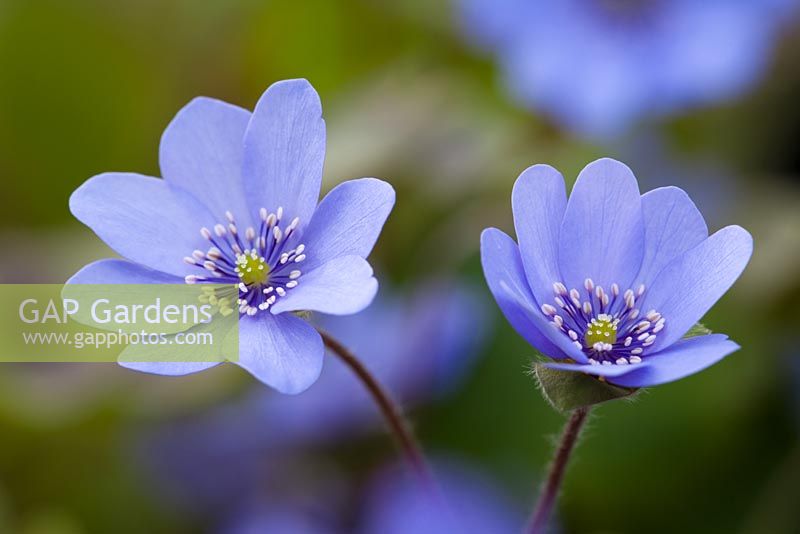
607	326
260	266
603	330
252	268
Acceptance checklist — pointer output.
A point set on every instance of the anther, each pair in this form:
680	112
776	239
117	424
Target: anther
547	309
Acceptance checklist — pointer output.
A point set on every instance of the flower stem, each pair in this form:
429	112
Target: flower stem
389	409
547	499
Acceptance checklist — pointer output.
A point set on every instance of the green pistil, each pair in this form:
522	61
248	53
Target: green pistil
602	329
252	269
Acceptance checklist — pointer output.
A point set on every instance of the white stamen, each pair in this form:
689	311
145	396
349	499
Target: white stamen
192	279
277	234
291	283
219	230
587	308
300	258
573	335
263	213
599	292
205	232
279	213
588	284
280	291
250	233
592	361
637	350
547	309
190	261
614	289
621	361
635	359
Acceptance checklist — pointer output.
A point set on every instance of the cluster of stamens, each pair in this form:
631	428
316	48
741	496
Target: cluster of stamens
260	265
607	326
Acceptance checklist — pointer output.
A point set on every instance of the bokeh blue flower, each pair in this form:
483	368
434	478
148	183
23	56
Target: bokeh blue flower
238	206
597	66
609	281
421	346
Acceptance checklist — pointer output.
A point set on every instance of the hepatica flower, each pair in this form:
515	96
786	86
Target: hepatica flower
238	205
595	66
609	282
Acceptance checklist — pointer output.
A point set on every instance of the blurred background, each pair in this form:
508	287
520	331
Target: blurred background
449	101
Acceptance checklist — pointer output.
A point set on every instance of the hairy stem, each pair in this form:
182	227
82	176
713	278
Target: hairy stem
391	412
547	499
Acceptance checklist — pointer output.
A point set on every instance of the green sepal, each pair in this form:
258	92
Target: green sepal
567	390
697	330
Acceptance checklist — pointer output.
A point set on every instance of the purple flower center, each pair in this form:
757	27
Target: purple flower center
261	266
607	327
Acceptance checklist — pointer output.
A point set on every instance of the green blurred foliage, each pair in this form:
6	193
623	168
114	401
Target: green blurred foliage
87	86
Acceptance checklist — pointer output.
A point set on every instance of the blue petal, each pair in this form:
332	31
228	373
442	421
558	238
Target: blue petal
114	271
539	200
169	368
143	219
691	283
348	221
596	370
681	359
201	151
283	351
602	235
284	149
505	276
342	286
672	225
124	272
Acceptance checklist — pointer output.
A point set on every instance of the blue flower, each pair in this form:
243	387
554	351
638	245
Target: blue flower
392	503
610	281
469	503
238	205
595	66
